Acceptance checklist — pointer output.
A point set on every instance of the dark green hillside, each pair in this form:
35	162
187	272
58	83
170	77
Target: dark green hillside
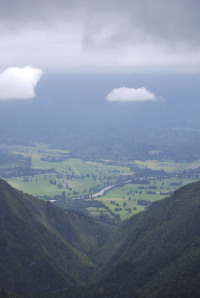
155	253
46	251
43	247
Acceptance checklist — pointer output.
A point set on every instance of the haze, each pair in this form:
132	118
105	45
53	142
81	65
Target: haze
119	63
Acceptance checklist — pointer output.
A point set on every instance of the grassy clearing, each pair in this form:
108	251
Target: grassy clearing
167	166
10	165
36	186
124	200
71	178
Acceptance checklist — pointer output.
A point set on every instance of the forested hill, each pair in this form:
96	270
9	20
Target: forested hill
44	247
155	253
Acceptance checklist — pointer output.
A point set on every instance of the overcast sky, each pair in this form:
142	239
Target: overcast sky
100	36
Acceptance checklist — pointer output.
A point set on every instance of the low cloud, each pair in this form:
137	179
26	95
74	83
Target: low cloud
19	83
125	94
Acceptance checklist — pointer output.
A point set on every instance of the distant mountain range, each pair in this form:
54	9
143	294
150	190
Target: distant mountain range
46	251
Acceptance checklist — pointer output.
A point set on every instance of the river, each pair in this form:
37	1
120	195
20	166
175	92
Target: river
101	192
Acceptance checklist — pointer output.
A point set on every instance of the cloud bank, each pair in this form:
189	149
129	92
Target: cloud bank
19	83
125	94
104	36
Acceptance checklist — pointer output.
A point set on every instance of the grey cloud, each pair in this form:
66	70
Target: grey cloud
118	32
166	20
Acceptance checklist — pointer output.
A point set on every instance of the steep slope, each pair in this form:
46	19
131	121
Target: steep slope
155	253
44	247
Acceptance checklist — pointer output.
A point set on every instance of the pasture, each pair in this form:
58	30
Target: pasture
55	175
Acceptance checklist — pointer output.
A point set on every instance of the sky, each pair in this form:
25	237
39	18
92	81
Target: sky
100	36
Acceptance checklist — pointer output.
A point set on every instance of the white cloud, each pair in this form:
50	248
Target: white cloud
125	94
19	83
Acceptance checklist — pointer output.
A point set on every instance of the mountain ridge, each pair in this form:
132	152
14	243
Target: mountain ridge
159	254
155	253
44	247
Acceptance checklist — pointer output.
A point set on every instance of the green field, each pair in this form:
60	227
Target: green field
54	175
168	165
127	197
